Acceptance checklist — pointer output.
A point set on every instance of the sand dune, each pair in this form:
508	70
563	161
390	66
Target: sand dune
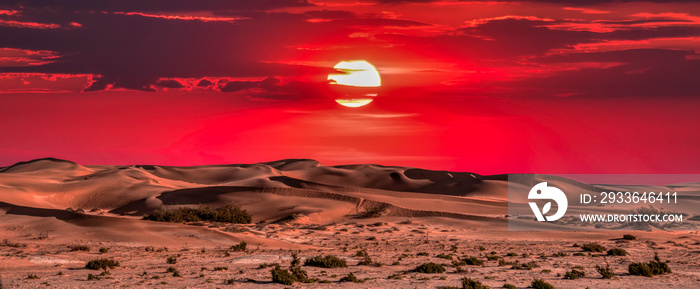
300	204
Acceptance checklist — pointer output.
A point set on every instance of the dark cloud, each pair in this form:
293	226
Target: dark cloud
642	72
154	5
233	86
204	83
169	83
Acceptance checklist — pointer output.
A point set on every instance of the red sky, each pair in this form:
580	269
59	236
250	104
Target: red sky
488	87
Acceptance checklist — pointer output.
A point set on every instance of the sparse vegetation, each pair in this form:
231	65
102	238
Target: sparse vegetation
445	256
468	283
509	286
171	260
220	268
328	261
655	267
228	213
80	248
32	276
593	247
512	254
617	252
629	237
560	254
471	260
282	276
525	266
351	278
574	274
430	268
541	284
104	250
8	243
606	271
103	264
241	247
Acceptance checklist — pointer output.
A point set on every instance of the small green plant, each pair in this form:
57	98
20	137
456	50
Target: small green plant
541	284
104	250
468	283
32	276
574	274
171	260
80	248
228	213
351	278
241	247
617	252
593	247
367	261
328	261
606	271
430	268
629	237
471	260
655	267
103	264
445	256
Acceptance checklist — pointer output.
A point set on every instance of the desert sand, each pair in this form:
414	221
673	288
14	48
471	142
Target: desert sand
402	217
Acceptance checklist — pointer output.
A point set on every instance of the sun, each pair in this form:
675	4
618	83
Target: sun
359	74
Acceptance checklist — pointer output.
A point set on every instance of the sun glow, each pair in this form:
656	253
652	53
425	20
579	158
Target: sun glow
356	73
359	74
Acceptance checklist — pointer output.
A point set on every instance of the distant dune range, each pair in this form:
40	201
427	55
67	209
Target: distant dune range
271	192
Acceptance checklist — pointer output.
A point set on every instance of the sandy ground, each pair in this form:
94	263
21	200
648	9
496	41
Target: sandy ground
302	206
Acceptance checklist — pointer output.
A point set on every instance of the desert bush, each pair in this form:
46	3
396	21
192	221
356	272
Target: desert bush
541	284
170	269
511	254
230	281
228	213
328	261
468	283
80	248
374	212
171	260
422	254
502	262
444	256
430	268
559	254
525	266
242	246
351	278
509	286
606	271
492	257
367	261
103	264
219	268
104	250
593	247
361	253
629	237
655	267
8	243
574	274
92	277
617	252
32	276
282	276
471	260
